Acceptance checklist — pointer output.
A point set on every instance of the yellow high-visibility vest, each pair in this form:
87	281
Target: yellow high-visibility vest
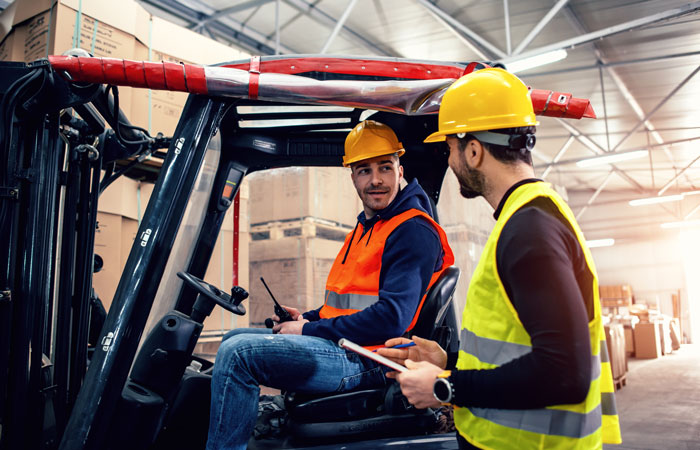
493	335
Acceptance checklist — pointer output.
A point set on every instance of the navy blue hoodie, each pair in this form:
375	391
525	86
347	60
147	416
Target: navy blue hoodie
412	254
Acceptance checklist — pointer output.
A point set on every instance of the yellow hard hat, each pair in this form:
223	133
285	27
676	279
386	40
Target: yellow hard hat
487	99
369	139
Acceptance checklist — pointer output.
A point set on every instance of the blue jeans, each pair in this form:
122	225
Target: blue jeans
248	358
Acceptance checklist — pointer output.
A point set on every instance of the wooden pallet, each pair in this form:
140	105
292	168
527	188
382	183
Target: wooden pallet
620	381
306	227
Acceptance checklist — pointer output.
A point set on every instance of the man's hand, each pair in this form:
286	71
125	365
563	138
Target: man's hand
424	350
291	327
417	383
295	313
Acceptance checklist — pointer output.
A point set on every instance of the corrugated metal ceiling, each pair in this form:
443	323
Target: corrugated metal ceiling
642	65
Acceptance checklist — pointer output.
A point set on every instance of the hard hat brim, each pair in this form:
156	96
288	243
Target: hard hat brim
440	136
359	158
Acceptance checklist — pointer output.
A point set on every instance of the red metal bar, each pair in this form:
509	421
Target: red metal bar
192	78
144	74
558	104
352	66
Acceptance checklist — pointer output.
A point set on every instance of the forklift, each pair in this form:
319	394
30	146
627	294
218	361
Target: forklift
73	377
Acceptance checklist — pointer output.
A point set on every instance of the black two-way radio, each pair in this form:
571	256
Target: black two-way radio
279	311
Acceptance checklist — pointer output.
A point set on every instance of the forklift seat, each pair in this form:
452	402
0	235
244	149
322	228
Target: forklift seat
380	412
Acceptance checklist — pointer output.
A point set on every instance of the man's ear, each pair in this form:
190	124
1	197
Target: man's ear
474	153
400	171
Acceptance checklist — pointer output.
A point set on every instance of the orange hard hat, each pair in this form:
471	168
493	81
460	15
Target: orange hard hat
370	139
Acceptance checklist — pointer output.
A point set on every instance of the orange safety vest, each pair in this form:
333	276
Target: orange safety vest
354	285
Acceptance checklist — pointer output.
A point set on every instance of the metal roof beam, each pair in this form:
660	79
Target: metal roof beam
595	195
615	29
613	64
325	19
539	27
495	51
228	11
598	150
240	36
569	161
558	156
677	176
506	16
627	95
339	25
663	101
459	36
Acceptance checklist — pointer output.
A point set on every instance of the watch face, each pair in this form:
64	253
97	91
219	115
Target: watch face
442	391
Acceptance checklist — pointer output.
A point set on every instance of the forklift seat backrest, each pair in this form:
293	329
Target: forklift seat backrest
437	315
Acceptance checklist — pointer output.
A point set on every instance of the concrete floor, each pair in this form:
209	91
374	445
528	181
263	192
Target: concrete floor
660	405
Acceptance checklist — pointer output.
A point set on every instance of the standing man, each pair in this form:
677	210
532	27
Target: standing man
374	291
532	370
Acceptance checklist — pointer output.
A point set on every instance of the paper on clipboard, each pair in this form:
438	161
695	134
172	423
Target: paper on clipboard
373	356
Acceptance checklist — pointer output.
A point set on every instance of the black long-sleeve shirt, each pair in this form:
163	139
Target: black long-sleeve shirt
544	272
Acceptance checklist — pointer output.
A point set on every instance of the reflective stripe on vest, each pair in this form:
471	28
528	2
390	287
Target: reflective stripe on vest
350	301
555	422
492	335
496	352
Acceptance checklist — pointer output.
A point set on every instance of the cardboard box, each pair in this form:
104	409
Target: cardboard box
629	340
121	198
619	295
159	111
647	341
33	29
292	193
295	268
220	274
115	235
113	239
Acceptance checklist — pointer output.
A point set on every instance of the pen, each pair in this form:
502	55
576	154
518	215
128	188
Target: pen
409	344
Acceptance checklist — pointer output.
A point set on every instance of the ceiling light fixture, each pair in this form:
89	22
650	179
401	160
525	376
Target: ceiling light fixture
535	61
609	159
600	243
655	200
681	224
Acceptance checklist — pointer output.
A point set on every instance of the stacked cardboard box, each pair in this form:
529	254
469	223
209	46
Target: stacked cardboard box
299	219
120	209
295	268
647	341
33	29
616	295
325	193
220	270
117	224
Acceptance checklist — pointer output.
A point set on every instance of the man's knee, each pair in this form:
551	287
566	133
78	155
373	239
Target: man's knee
238	350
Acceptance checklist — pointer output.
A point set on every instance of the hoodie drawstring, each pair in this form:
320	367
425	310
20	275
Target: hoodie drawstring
370	236
350	243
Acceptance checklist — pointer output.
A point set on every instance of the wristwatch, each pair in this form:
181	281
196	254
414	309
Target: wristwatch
443	390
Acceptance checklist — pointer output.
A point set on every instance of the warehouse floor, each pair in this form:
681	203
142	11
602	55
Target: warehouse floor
660	405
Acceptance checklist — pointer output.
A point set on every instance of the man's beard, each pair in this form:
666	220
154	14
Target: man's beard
471	182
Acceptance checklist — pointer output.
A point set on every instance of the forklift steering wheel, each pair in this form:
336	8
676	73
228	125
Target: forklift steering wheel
211	292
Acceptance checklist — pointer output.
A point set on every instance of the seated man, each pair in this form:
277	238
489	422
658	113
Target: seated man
374	291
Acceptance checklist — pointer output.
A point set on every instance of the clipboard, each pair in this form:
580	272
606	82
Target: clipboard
349	345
